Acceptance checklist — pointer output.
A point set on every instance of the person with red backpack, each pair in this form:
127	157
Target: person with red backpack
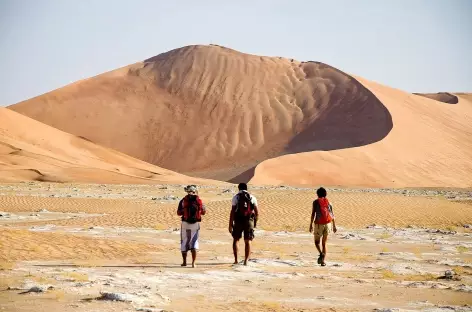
322	214
191	209
243	219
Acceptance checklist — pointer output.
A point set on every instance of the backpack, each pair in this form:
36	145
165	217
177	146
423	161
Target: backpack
244	207
192	206
325	216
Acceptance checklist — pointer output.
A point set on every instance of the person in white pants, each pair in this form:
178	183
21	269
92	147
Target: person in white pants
190	208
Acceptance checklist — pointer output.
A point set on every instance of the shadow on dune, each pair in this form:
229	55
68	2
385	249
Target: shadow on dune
243	177
353	118
348	122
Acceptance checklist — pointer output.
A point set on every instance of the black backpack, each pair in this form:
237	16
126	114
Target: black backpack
244	207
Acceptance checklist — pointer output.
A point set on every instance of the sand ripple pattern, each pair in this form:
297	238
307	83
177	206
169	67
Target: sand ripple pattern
280	210
23	245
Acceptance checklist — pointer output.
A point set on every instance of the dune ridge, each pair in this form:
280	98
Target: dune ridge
30	150
213	112
444	97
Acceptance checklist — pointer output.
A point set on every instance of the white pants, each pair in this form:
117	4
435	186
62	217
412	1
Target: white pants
189	236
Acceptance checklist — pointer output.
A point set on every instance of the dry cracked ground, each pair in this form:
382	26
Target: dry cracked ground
71	247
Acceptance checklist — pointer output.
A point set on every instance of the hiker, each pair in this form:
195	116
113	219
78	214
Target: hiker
322	214
243	219
191	209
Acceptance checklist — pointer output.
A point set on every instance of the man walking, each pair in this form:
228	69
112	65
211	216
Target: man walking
322	213
243	220
191	209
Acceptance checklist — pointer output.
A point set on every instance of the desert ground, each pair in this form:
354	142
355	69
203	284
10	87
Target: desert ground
115	247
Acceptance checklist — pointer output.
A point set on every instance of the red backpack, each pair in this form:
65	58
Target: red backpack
245	209
325	216
193	207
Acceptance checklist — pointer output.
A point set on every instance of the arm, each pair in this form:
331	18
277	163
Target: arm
334	223
231	219
313	213
180	209
256	215
203	207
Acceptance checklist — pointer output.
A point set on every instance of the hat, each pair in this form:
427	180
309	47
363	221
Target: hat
190	189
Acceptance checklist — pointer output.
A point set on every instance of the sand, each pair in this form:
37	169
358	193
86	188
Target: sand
32	151
84	240
289	209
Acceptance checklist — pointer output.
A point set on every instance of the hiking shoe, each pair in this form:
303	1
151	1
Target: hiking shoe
322	259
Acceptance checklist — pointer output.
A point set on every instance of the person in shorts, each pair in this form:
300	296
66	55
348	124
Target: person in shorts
243	220
323	217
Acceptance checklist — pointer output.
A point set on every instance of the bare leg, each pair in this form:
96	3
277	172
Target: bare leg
325	238
194	257
235	251
247	250
317	244
184	258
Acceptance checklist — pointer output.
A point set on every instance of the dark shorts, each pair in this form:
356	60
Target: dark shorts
246	227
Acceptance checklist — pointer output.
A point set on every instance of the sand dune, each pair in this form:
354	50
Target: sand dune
214	112
30	150
210	111
429	145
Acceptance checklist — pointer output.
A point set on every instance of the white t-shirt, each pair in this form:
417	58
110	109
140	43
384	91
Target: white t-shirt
234	201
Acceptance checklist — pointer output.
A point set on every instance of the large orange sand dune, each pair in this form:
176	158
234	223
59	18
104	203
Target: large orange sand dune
214	112
30	150
209	111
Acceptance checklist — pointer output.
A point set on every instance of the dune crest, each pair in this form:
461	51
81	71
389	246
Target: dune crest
214	112
32	151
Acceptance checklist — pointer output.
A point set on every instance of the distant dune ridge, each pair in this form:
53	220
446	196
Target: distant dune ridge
444	97
213	112
32	151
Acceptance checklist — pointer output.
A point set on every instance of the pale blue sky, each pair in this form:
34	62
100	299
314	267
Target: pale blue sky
414	45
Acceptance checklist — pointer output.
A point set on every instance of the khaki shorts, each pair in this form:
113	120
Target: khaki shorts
245	227
320	230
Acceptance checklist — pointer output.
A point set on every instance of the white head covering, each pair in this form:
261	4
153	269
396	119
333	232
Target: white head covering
191	189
